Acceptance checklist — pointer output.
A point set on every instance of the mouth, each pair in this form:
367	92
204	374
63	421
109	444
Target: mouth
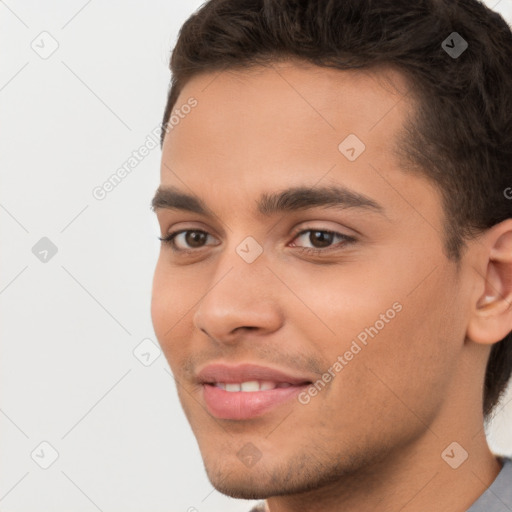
247	391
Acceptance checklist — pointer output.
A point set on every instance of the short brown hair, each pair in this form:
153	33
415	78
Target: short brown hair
461	137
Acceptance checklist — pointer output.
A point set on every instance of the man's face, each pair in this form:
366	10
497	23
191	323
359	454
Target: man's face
378	297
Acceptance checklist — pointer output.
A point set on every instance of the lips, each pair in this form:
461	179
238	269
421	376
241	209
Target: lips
247	391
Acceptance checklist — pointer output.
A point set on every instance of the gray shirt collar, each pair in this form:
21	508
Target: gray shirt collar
498	496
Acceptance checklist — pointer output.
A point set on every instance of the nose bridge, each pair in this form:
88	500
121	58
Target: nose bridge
238	294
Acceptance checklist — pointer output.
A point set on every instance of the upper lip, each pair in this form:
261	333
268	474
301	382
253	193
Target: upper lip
220	372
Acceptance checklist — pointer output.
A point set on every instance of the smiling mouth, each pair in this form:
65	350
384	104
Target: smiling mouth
248	390
250	399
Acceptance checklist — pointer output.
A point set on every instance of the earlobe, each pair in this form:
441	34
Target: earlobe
491	320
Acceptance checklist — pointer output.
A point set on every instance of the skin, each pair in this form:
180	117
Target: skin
372	439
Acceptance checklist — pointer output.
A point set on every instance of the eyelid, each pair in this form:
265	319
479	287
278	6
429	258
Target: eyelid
300	230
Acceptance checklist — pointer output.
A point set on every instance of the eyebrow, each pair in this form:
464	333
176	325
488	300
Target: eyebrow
268	204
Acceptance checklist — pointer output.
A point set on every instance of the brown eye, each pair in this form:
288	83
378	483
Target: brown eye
189	239
195	238
321	238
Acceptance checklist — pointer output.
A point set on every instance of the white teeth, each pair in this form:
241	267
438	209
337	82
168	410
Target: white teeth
251	386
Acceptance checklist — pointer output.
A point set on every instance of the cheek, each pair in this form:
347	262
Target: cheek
168	306
342	303
409	363
159	302
405	342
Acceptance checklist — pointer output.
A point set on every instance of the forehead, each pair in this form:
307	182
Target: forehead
293	89
284	125
284	109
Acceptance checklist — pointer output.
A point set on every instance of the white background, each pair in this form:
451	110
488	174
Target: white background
68	375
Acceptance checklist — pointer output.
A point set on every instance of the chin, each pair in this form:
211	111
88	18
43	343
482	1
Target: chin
251	485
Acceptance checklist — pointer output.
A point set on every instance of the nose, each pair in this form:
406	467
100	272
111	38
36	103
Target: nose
240	300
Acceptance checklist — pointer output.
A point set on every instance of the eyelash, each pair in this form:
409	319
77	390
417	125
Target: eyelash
169	240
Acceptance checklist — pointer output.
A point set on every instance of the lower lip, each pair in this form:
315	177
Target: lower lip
243	405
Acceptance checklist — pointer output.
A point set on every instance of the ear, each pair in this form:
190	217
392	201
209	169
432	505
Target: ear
491	318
